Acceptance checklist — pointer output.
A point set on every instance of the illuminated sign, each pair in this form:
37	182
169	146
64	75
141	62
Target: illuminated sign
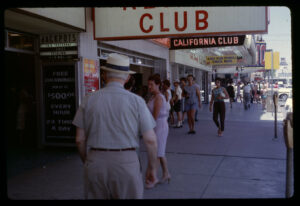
115	23
204	42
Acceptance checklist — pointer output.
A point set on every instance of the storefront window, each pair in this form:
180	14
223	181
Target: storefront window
181	71
149	62
20	41
188	71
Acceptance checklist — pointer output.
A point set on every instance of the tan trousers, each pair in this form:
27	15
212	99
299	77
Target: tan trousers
113	175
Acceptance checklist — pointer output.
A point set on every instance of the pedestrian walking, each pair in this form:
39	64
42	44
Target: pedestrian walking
192	97
255	92
247	95
182	85
217	101
238	92
230	91
158	107
263	93
109	123
177	103
168	95
252	92
197	108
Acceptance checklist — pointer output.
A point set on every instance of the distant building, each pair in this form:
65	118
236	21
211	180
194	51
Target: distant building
283	71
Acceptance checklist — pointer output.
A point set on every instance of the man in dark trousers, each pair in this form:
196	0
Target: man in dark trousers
230	91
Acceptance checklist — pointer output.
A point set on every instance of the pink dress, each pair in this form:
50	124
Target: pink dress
162	127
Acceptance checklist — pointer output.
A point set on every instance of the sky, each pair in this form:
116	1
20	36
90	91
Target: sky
279	33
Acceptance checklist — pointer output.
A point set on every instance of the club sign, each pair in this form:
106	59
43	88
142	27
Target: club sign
116	23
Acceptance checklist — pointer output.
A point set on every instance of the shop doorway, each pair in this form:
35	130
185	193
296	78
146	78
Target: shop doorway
20	100
141	79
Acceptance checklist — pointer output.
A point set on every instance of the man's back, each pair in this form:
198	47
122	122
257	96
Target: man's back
113	117
247	88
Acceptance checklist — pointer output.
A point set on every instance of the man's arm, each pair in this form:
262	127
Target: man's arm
151	146
81	143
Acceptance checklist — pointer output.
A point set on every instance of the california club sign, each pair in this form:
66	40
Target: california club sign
207	41
115	23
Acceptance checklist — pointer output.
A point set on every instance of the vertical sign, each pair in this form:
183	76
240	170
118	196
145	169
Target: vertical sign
268	60
260	53
91	75
60	104
276	60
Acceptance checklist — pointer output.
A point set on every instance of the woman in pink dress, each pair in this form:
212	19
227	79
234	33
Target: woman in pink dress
158	107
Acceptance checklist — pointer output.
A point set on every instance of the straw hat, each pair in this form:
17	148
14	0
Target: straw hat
117	63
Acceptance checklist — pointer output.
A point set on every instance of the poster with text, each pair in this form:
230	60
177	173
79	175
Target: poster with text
91	75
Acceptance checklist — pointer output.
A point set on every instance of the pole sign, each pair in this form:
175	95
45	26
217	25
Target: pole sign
117	23
207	41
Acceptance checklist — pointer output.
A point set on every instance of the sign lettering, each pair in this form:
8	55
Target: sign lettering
59	97
204	42
59	46
159	22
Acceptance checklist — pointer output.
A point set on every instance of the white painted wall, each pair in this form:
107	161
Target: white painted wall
87	50
72	16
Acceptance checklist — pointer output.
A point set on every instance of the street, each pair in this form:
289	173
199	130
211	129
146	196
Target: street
245	163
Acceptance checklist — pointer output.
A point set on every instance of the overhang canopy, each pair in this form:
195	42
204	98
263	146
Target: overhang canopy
25	21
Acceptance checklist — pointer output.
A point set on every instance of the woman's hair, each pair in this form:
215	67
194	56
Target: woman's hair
183	79
218	79
122	76
155	78
167	83
130	83
190	75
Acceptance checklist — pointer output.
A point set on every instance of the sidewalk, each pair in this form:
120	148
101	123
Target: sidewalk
245	163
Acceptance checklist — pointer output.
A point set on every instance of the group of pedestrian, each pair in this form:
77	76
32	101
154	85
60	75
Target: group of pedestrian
252	92
109	124
186	100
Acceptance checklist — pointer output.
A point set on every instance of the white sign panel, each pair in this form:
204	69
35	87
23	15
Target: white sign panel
72	16
153	22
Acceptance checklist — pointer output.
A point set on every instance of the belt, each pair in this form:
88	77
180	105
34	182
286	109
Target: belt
114	150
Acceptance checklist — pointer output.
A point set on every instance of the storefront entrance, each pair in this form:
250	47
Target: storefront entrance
20	100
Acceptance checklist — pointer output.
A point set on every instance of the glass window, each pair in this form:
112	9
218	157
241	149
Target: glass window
149	62
20	41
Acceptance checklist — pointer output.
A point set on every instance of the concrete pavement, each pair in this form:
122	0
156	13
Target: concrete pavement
245	163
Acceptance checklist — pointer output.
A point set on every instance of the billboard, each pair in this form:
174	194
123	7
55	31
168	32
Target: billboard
116	23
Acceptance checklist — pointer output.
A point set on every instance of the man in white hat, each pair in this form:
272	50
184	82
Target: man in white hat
109	123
